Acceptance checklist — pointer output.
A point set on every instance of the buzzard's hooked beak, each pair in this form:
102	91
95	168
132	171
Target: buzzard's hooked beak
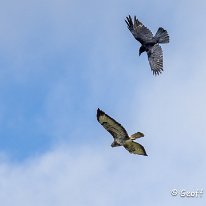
113	144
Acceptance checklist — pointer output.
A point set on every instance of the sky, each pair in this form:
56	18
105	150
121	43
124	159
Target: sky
59	62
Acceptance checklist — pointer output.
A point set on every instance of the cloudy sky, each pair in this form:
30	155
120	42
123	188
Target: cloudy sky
61	60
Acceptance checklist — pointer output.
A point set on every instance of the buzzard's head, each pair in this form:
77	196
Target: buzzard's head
141	49
115	144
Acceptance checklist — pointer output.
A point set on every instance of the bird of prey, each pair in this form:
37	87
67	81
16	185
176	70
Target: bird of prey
121	138
150	43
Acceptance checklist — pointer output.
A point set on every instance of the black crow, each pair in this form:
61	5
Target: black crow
150	43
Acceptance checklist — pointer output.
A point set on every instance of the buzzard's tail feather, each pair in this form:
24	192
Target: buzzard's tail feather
136	135
162	36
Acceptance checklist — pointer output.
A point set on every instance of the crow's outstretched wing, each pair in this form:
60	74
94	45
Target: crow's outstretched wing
155	57
139	31
112	126
135	148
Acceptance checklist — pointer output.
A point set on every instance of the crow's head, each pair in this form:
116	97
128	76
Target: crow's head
141	49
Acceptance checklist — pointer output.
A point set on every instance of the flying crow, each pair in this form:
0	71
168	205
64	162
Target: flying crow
150	43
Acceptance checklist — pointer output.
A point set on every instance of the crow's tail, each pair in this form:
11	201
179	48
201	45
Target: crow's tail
162	36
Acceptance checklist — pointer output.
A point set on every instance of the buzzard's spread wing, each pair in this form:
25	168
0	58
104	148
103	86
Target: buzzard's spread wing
112	126
139	31
135	148
155	57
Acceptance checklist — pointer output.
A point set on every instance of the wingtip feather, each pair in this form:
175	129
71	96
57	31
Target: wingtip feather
99	112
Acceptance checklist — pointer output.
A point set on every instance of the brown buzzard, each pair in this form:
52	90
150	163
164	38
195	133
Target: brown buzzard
121	138
150	43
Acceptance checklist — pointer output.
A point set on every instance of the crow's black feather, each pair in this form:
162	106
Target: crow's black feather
150	43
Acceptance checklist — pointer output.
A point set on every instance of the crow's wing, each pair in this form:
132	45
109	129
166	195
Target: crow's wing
135	148
155	57
112	126
139	31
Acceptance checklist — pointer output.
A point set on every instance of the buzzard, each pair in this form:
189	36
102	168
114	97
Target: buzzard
121	138
150	43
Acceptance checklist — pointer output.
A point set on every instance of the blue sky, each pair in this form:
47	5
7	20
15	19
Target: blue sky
60	61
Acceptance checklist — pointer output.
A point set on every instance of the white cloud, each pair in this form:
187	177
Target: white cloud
90	176
63	177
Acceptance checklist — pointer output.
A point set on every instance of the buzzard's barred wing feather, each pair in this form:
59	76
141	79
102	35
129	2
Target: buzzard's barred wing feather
135	148
155	57
112	126
139	31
